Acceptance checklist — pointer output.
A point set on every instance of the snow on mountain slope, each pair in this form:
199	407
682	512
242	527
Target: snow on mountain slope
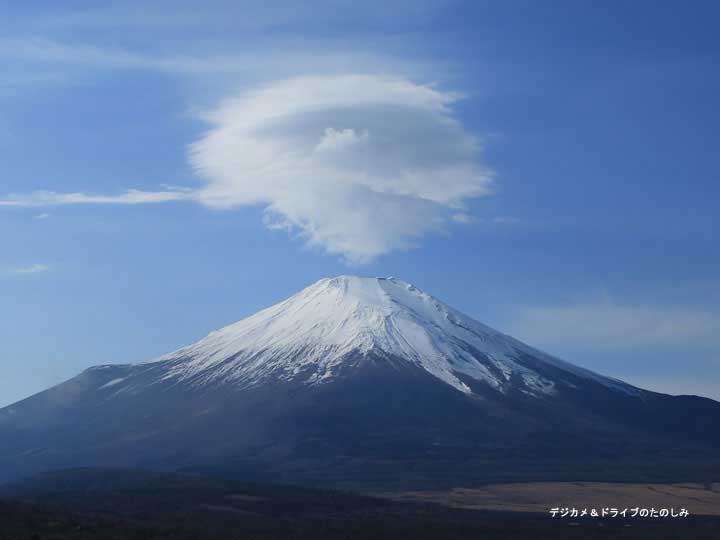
311	335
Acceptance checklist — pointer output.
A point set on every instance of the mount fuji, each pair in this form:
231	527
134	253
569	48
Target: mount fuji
361	381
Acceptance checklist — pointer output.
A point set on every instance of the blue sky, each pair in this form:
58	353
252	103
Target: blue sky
549	168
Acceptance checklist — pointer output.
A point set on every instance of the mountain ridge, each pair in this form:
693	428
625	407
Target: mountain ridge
311	332
361	380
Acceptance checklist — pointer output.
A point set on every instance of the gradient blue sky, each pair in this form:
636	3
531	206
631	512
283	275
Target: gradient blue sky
598	120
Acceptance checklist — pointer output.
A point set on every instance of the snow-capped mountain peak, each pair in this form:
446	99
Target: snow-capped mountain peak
312	336
346	378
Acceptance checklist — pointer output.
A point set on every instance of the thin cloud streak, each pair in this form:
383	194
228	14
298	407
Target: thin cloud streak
54	52
32	269
58	58
132	196
607	324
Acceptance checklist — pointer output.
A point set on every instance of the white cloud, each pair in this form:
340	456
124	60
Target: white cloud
338	140
359	165
41	61
55	52
32	269
610	325
236	16
132	196
465	219
44	215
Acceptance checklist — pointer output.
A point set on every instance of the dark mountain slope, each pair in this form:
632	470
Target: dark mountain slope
360	381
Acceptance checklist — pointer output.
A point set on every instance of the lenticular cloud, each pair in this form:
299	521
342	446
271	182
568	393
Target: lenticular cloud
359	165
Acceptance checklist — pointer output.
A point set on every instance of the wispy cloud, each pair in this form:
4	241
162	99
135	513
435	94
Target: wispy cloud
463	218
53	60
607	324
56	52
32	269
359	165
42	216
235	16
132	196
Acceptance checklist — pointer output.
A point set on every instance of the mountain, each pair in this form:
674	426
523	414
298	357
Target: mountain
362	381
337	325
